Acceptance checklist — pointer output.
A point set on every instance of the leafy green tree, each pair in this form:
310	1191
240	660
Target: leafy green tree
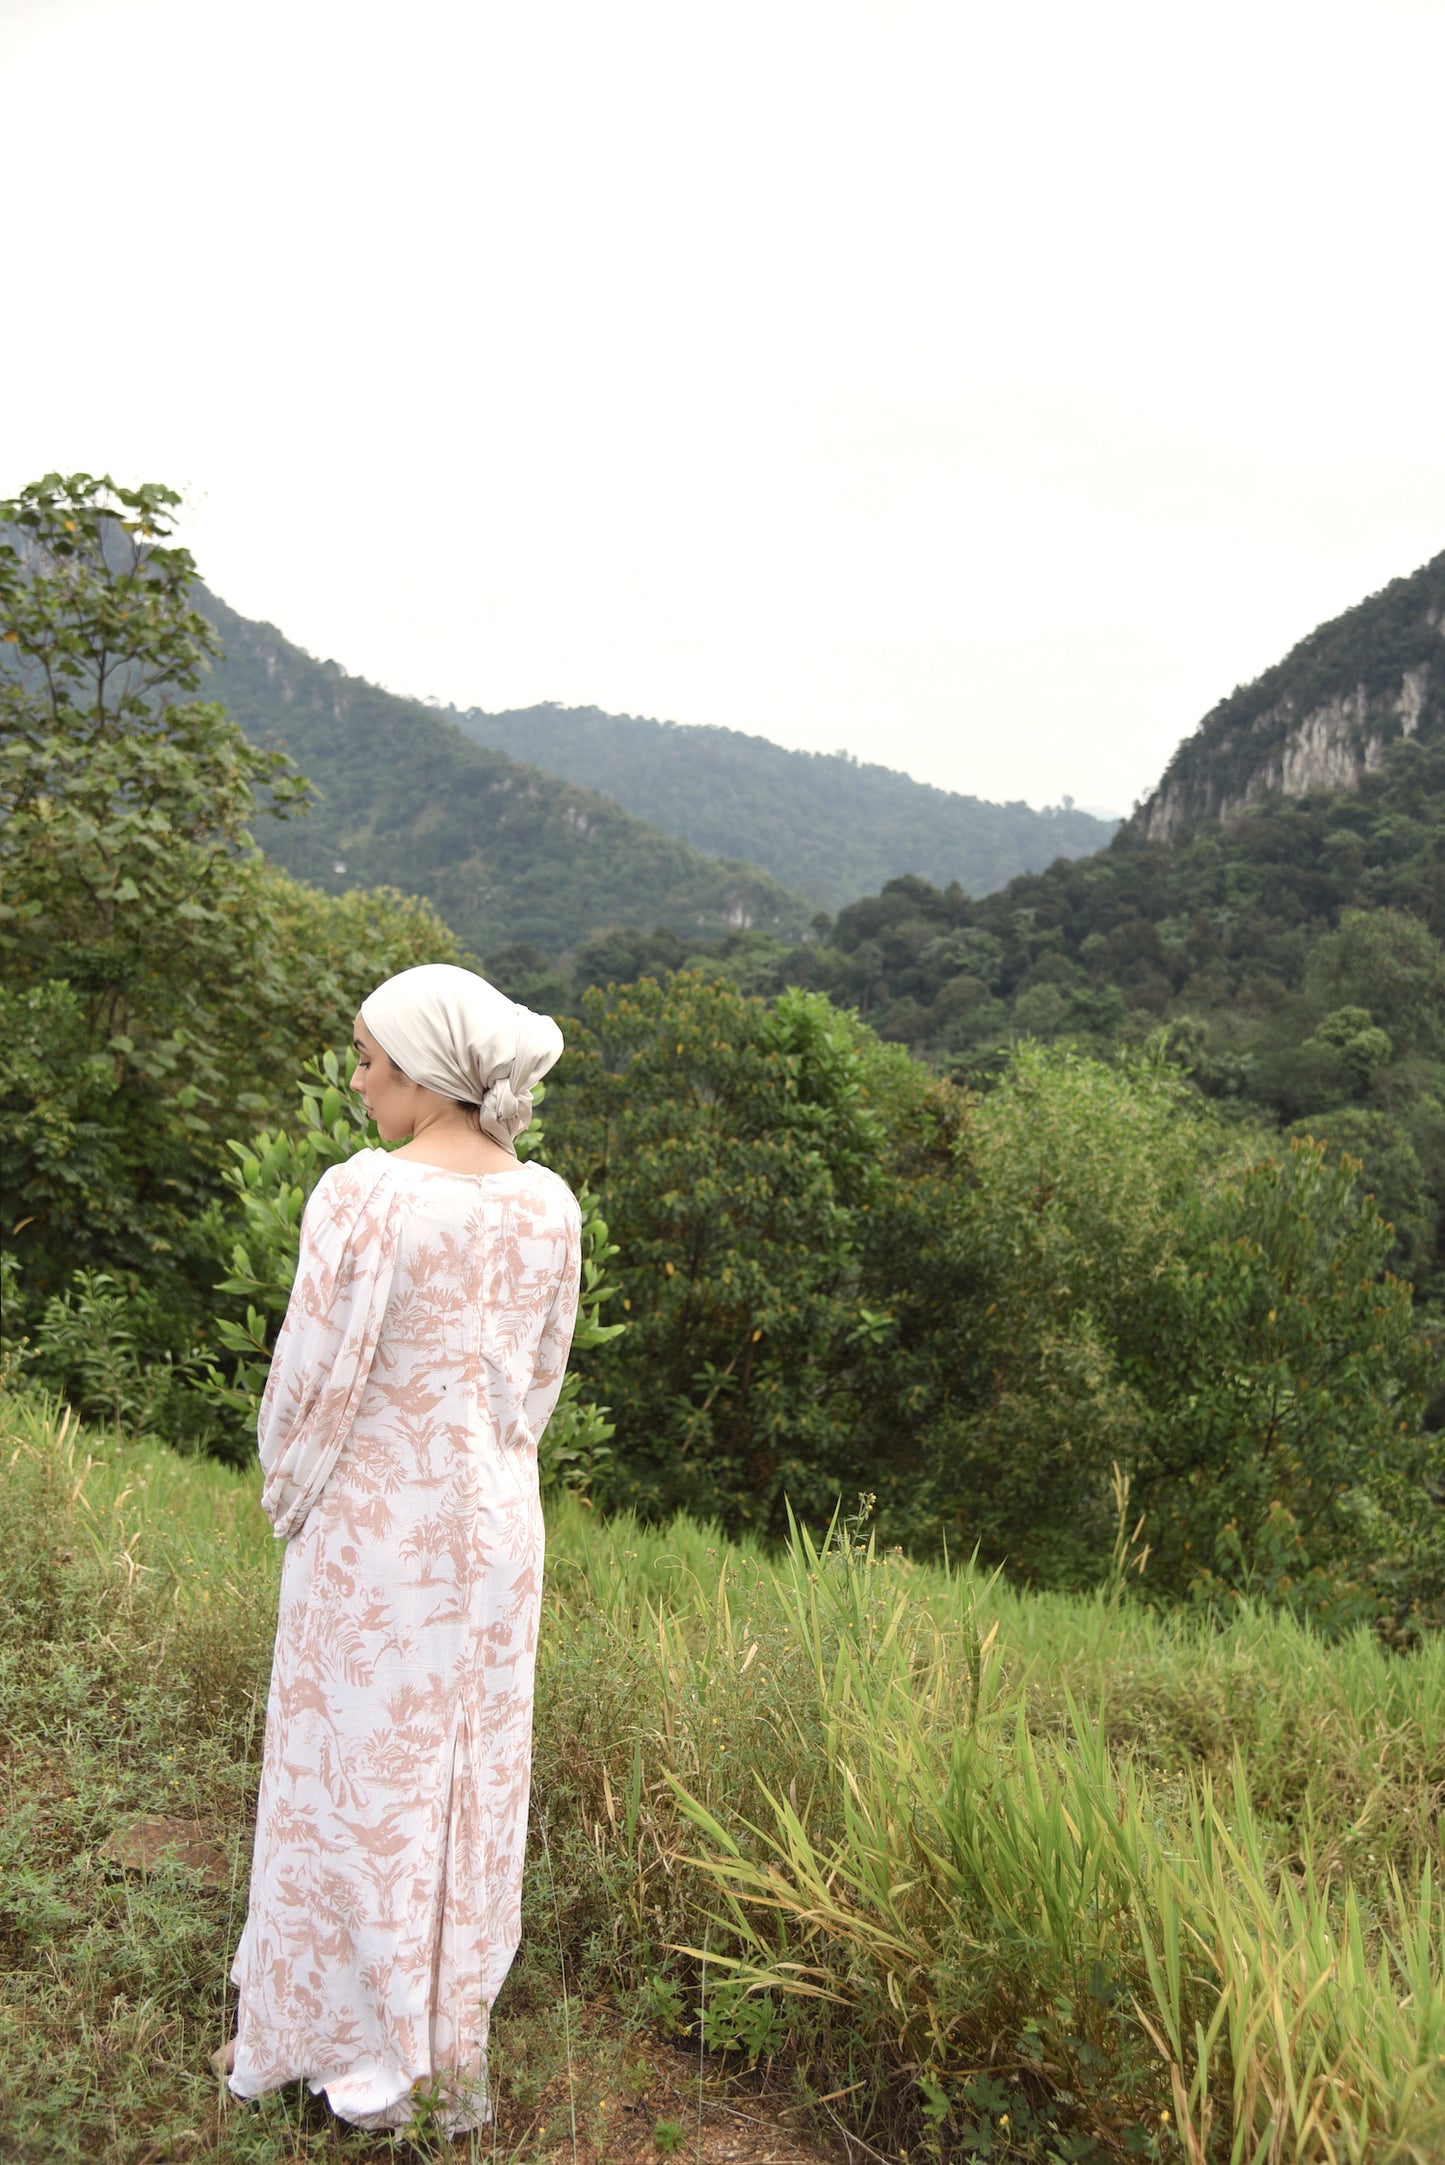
66	1145
134	926
99	1171
95	1345
1066	1205
1360	1047
1286	1392
1382	1153
1392	968
163	983
126	802
738	1148
1152	1289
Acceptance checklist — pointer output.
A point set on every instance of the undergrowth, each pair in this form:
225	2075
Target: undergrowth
972	1872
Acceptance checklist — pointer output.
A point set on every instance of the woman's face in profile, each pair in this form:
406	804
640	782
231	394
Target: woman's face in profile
388	1095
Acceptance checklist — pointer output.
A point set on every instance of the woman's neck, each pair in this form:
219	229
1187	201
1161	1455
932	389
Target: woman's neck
455	1143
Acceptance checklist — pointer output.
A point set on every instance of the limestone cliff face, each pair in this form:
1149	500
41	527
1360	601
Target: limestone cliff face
1320	720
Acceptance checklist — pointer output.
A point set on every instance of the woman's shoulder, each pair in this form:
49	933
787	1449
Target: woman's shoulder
351	1203
548	1201
352	1179
551	1185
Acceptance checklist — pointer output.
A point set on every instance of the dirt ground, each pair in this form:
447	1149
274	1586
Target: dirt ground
656	2101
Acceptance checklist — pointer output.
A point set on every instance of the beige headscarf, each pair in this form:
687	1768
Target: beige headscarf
451	1031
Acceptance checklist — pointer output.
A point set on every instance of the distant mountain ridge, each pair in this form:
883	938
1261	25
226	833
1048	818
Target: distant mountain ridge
825	824
1313	794
506	854
1318	721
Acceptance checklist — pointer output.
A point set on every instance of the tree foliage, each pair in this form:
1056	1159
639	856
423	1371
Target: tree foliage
1153	1290
739	1149
1296	958
125	803
842	1276
163	982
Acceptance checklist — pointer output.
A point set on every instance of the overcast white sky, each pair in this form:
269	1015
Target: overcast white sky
985	386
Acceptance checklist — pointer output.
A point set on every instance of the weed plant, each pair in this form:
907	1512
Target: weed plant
981	1873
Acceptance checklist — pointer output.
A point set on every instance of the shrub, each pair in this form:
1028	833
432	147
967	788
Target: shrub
163	981
739	1148
1213	1314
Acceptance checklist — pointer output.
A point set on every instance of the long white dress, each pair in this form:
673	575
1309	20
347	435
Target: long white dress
421	1356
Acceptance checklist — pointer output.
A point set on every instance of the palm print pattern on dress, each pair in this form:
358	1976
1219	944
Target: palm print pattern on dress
421	1356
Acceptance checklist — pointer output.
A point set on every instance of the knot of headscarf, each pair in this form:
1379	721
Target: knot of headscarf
451	1031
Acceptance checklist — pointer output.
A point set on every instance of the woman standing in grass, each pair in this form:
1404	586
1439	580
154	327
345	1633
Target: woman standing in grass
421	1356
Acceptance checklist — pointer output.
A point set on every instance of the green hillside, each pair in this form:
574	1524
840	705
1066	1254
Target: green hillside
1222	921
1293	946
820	821
506	854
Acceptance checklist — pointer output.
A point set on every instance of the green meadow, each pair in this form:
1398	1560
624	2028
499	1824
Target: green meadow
940	1867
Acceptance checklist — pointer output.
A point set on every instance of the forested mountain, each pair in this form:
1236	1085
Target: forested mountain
504	852
825	824
1293	947
1318	720
1213	898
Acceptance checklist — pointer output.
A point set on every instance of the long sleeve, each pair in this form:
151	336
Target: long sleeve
327	1343
556	1339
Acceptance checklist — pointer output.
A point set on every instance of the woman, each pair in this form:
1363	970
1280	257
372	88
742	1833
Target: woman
421	1356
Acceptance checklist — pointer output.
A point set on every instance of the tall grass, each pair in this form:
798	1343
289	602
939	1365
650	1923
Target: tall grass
992	1874
1051	1872
974	1884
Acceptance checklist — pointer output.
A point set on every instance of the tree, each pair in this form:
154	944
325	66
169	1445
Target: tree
1382	1153
126	803
738	1149
1388	968
163	982
1203	1307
